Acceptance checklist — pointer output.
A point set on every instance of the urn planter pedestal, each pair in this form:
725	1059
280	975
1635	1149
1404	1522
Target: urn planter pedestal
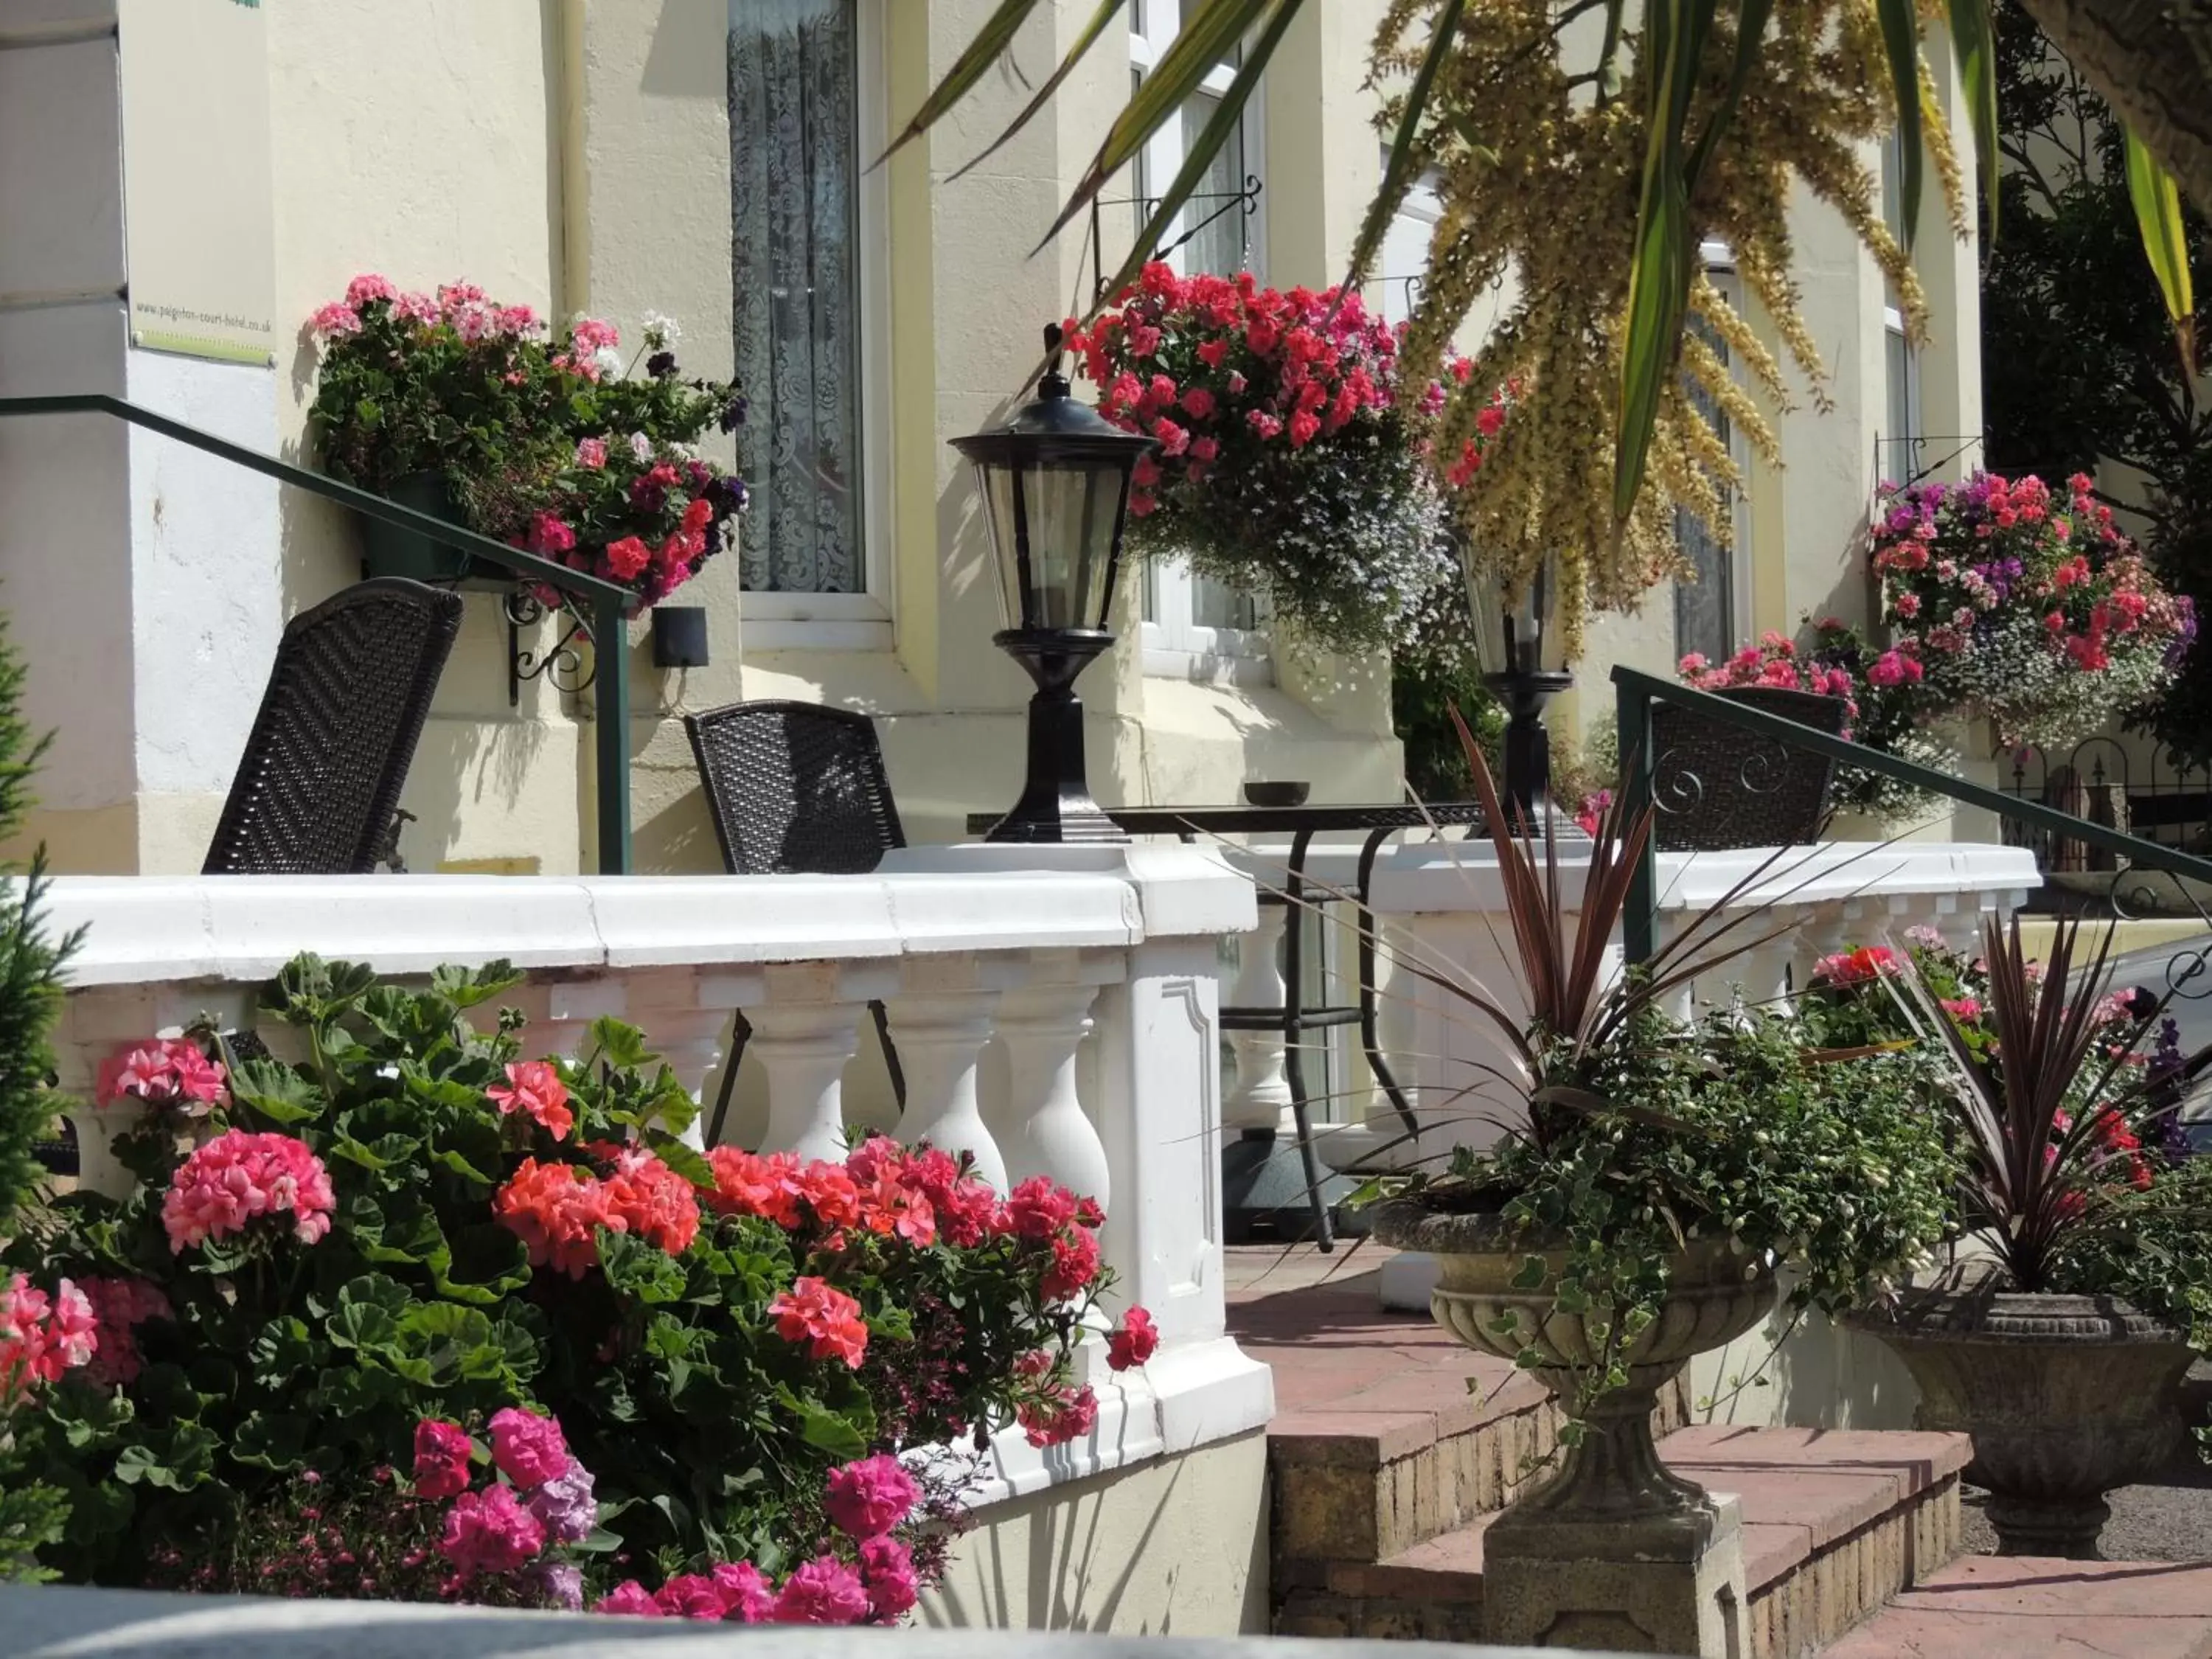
1615	1551
2065	1397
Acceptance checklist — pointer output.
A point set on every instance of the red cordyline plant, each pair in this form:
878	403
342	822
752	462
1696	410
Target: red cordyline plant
2055	1111
1575	1006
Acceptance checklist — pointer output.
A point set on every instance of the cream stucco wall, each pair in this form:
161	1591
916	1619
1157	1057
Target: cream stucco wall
573	156
1175	1547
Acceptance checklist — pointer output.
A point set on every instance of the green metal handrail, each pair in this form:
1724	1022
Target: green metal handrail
609	601
1635	692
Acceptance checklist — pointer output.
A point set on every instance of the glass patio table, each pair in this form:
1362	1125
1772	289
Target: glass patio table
1287	885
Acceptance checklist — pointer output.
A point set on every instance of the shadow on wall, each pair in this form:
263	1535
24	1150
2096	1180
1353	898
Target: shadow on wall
1128	1552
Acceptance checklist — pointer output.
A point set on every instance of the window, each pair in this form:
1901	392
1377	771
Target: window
1898	450
804	96
1195	626
1712	613
1404	259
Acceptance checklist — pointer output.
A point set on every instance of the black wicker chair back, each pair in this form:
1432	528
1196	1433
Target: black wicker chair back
328	755
795	788
1716	786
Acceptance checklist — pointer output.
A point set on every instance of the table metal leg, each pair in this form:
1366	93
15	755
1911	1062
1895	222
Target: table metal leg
1369	1038
1293	1039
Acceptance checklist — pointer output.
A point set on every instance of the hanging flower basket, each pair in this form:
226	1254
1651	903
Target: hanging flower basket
2033	612
1292	465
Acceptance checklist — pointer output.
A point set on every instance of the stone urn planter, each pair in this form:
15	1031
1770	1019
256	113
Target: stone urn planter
2066	1398
1614	1477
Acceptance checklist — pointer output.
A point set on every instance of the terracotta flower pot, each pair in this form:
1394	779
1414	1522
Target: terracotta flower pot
2066	1397
1614	1475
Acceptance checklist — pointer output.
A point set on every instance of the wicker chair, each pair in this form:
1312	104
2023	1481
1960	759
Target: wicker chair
795	789
1716	786
316	790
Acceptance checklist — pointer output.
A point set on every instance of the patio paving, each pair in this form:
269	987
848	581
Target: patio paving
1981	1607
1393	1446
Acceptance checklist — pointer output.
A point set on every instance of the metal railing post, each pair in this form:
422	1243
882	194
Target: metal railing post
610	742
1639	922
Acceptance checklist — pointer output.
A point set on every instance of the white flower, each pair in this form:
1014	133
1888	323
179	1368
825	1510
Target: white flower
640	446
661	332
607	361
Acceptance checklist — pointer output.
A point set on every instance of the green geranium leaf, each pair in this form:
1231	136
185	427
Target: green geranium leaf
685	1161
464	987
635	1269
269	1441
275	1092
368	1312
487	1263
832	1433
285	1347
619	1045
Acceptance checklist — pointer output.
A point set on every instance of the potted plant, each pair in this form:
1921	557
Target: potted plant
2059	1336
1294	461
463	408
1657	1175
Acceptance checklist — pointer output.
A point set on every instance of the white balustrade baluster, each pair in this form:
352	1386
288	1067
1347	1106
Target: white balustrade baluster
1039	1126
940	1024
1262	1096
686	1027
803	1035
560	1012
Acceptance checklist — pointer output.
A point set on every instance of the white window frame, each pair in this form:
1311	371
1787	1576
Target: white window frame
1172	645
1423	206
1719	261
1903	444
866	620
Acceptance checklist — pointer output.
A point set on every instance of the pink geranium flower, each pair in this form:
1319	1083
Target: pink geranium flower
824	1591
239	1177
815	1312
1136	1342
887	1572
631	1598
529	1449
534	1087
490	1531
441	1458
167	1071
868	1498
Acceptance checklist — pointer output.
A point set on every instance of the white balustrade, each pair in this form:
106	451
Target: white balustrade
1444	908
1055	1011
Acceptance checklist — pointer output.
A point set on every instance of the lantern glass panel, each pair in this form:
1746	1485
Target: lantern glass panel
1067	513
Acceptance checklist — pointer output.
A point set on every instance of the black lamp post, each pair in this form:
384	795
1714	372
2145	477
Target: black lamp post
1526	662
1054	481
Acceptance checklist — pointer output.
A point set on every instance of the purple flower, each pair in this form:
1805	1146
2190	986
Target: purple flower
562	1582
566	1506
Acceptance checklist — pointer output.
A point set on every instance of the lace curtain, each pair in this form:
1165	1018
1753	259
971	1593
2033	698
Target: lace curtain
793	180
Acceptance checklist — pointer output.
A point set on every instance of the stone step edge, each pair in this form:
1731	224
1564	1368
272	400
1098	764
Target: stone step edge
1812	1576
1364	1486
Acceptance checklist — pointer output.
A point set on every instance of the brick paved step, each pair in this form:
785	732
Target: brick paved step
1834	1525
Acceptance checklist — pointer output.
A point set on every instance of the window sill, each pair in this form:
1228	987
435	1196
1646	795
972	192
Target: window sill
1240	670
814	621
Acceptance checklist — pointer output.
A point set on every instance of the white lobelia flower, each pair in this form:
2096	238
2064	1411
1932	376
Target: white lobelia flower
661	332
